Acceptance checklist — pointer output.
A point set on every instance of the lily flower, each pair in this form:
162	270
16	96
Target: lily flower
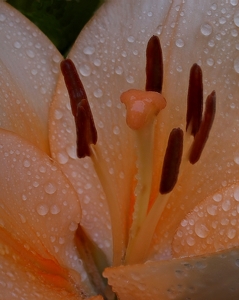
154	237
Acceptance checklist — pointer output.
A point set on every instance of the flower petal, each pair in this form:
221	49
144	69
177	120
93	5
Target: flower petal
213	276
29	65
211	226
39	210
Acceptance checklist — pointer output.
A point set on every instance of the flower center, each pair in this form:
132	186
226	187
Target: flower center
142	108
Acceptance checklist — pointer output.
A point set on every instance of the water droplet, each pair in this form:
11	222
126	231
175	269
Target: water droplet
231	233
34	72
24	197
54	209
119	70
50	188
98	93
190	241
130	39
206	29
222	20
201	230
236	20
150	13
130	79
226	205
56	58
2	17
62	158
234	2
217	197
159	29
116	130
58	114
26	163
30	53
71	151
97	62
236	194
85	70
212	209
17	45
210	62
73	226
89	50
42	209
179	43
236	64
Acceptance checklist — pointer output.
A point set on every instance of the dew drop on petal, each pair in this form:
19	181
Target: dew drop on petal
42	209
85	70
217	197
54	209
2	17
236	20
234	2
131	39
73	226
206	29
50	188
30	53
236	64
201	230
236	194
116	130
89	50
17	45
98	93
179	43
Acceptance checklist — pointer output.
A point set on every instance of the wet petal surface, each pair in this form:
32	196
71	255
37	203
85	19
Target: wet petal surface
29	66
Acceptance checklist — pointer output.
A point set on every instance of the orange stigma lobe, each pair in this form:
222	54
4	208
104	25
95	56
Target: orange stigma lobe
85	128
141	107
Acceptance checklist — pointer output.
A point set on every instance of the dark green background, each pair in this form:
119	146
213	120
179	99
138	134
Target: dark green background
60	20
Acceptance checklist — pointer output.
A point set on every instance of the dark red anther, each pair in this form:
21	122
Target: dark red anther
172	161
204	130
154	65
85	126
195	100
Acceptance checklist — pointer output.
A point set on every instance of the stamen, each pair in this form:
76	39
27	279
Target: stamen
172	161
85	126
203	133
154	65
195	100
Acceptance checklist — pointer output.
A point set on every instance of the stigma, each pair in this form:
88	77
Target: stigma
143	110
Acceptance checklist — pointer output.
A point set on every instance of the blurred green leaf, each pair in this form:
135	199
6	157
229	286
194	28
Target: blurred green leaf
60	20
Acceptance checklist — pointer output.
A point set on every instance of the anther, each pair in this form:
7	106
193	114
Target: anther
141	107
195	100
204	130
172	161
85	128
154	65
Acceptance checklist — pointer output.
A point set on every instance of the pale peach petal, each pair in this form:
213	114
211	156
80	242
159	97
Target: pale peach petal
29	65
211	226
25	275
39	208
213	276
